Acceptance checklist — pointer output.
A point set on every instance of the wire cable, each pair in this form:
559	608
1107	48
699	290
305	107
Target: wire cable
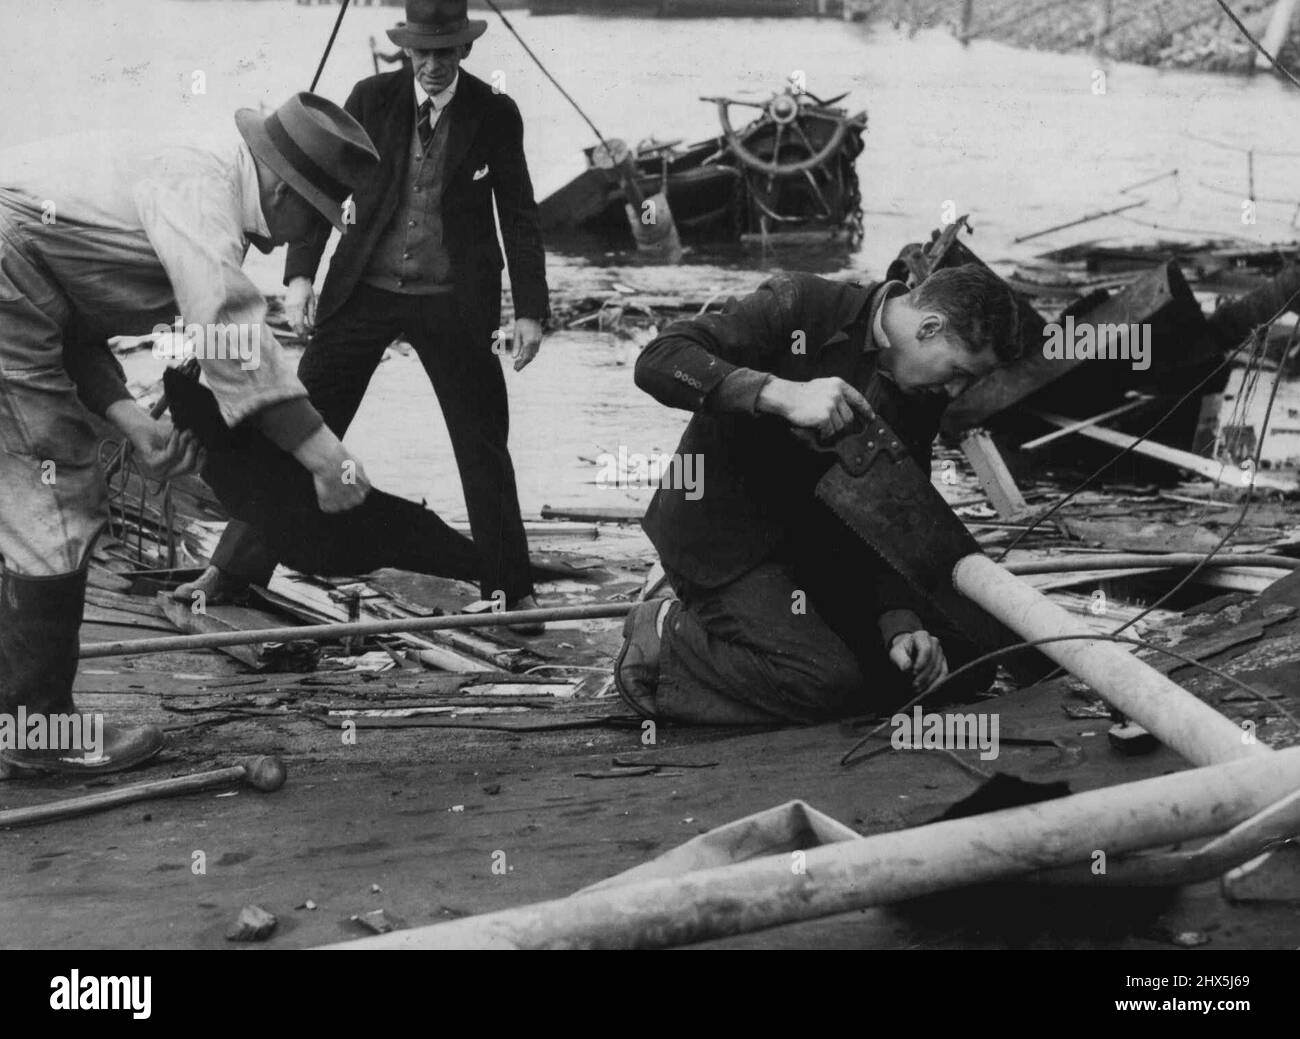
328	46
1251	338
546	72
1059	504
1254	43
1245	505
1017	647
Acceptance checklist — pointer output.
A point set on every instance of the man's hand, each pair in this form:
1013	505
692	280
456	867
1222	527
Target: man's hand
300	305
528	340
162	450
340	481
826	405
919	652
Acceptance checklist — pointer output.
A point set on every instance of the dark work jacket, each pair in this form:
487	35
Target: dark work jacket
485	133
758	481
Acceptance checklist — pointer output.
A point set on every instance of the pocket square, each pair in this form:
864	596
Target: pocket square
480	174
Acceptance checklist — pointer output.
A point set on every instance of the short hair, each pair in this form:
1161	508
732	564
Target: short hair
981	309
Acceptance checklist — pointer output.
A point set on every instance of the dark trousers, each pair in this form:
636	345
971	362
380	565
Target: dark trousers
794	640
466	375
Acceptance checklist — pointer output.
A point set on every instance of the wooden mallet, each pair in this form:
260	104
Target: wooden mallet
265	773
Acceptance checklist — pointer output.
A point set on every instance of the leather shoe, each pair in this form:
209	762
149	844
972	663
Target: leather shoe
636	671
217	586
528	602
121	747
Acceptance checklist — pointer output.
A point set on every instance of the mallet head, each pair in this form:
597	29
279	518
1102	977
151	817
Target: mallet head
264	772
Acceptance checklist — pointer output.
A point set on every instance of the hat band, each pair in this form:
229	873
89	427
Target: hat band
440	29
303	162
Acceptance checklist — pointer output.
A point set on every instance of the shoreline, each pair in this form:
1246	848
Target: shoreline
1173	34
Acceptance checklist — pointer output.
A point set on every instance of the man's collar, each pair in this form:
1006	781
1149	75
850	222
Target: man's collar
442	98
879	340
253	220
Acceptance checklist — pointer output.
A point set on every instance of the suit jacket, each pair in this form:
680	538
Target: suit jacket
484	133
758	481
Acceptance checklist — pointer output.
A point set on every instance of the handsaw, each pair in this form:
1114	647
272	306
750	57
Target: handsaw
876	488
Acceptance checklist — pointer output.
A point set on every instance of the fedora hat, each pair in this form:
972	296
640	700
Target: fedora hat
315	147
431	24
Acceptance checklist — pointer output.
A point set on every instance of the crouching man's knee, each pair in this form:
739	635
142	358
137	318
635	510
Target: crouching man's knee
829	687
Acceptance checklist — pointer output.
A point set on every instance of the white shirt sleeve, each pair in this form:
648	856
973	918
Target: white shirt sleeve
194	223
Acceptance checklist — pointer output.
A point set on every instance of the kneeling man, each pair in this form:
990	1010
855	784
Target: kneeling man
782	614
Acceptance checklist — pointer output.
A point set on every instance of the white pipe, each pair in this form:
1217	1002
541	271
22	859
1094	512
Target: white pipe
1174	716
887	867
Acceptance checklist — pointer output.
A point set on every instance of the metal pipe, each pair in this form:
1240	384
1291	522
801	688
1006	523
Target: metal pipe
1247	840
1139	561
889	867
320	632
1174	716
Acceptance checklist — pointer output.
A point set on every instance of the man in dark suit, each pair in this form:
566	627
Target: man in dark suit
423	262
784	614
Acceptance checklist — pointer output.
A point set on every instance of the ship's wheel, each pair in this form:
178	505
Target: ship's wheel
792	118
795	156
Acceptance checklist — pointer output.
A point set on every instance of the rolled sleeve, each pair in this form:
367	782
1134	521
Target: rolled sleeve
193	222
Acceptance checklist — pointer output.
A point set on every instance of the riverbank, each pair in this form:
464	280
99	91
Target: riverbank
1182	34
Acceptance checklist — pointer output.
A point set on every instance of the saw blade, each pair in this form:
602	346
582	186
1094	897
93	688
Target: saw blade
879	492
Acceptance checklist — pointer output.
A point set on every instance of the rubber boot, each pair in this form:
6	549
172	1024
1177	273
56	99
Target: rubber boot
40	621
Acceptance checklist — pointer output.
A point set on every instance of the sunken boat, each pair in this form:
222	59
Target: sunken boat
788	173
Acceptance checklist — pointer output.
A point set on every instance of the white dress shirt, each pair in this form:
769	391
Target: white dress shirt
136	232
440	100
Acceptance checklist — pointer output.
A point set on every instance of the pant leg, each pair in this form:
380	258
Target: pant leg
746	654
242	553
841	576
342	356
466	376
52	490
336	369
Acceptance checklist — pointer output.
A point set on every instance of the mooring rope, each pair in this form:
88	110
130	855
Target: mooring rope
328	46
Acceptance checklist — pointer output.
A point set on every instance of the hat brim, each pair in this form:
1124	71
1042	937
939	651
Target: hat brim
405	35
252	129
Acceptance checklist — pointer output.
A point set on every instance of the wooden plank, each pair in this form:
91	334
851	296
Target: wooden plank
1279	27
308	600
1239	578
221	619
605	514
993	474
115	601
92	614
1047	438
98	577
1220	472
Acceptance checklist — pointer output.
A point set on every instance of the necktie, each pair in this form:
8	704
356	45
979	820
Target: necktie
423	125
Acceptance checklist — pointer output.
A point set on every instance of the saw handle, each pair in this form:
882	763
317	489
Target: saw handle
857	448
